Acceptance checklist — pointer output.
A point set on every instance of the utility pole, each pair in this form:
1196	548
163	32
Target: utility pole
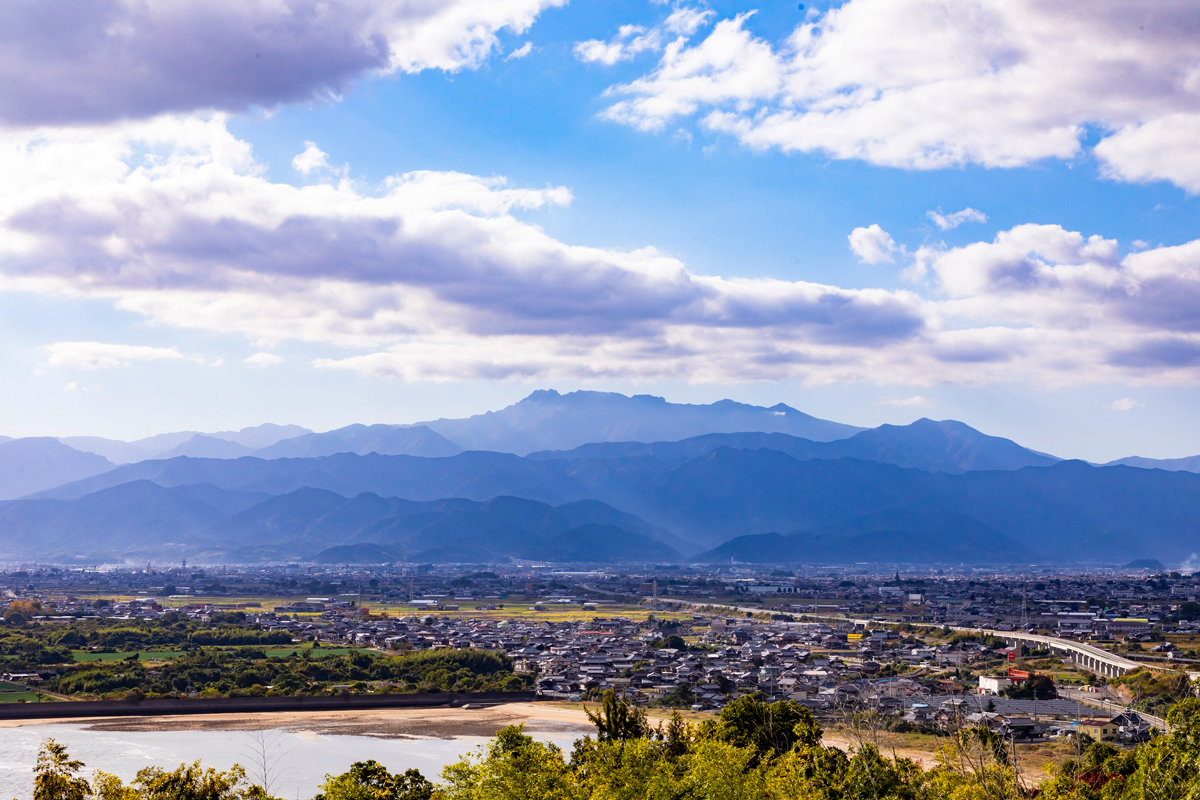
1024	594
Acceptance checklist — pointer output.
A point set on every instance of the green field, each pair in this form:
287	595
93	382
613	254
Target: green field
15	693
514	608
17	697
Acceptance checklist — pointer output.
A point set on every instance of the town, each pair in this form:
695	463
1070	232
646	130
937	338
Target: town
932	652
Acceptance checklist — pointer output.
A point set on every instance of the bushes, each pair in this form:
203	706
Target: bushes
748	752
248	671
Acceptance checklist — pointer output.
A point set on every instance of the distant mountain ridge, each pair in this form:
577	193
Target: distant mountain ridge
37	463
202	523
935	446
386	440
1188	464
547	420
931	490
186	443
896	536
1068	511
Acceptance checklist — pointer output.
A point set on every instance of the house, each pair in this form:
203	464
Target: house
1101	729
993	684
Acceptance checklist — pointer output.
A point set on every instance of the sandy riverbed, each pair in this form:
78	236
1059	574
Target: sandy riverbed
441	723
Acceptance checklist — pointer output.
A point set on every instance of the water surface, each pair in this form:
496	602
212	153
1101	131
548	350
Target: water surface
300	758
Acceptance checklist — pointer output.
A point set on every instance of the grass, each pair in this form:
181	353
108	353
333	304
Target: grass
16	693
27	697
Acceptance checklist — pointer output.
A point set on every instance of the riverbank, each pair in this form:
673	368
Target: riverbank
389	723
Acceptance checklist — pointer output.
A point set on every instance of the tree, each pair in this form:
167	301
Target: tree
639	769
1035	687
719	770
767	728
514	767
674	642
194	782
54	775
370	780
617	720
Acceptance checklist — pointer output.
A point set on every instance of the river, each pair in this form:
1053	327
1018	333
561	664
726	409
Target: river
298	759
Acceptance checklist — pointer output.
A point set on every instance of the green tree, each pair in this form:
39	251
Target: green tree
639	769
54	776
617	720
195	782
514	767
766	728
370	780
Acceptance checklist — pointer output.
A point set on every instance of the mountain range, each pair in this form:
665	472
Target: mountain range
202	522
547	420
510	484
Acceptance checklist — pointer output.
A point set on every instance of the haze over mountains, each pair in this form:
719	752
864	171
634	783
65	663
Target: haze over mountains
929	492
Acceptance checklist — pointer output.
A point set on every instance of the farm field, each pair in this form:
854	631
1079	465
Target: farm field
513	608
15	693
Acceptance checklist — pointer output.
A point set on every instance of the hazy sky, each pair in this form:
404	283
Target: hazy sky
215	213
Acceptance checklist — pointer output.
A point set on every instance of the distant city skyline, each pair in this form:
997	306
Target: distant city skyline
870	211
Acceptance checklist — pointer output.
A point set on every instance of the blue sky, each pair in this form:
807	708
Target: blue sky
782	165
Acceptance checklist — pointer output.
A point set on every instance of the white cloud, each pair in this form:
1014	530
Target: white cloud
1123	404
925	84
99	355
632	40
175	220
520	52
905	402
948	222
71	386
873	245
262	360
629	41
1162	149
435	276
312	158
67	62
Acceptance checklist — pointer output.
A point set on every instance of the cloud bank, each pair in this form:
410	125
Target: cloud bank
924	84
67	62
173	219
439	276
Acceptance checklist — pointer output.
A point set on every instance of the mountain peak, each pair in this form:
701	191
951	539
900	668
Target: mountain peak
548	420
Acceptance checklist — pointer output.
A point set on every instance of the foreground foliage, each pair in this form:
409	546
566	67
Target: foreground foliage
752	751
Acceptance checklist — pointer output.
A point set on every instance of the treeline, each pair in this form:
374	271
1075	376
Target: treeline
38	643
752	751
249	672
